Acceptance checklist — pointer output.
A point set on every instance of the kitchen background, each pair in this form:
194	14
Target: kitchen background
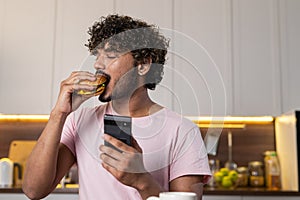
255	45
227	57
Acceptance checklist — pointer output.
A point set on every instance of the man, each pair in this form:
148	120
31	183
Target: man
167	152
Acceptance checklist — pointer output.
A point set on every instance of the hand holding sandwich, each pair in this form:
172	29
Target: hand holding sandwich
77	88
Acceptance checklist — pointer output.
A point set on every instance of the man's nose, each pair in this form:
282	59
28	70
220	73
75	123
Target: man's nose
99	64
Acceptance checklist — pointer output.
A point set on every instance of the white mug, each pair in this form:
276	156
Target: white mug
175	196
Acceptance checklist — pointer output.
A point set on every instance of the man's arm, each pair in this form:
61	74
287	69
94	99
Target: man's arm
188	183
49	161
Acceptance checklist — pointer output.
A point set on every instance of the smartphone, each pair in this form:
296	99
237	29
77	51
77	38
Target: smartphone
119	127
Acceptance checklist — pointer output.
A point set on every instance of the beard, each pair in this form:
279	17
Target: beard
104	99
124	87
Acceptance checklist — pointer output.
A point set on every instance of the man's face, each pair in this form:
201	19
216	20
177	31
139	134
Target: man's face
123	74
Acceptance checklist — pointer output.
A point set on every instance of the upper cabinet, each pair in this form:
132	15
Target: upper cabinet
256	58
290	57
26	55
229	57
154	12
253	45
265	56
72	23
202	57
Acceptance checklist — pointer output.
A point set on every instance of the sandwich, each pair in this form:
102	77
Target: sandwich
100	84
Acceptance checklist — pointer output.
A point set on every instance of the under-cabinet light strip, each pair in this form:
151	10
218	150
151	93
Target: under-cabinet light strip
197	120
23	117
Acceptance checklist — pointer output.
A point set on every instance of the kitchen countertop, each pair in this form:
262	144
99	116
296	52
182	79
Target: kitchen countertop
207	191
248	191
71	190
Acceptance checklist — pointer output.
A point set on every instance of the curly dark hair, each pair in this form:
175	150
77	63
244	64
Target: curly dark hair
124	33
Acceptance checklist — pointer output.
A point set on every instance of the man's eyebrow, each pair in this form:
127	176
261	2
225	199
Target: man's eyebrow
110	49
114	49
94	52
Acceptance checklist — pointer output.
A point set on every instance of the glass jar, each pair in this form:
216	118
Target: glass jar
243	176
256	174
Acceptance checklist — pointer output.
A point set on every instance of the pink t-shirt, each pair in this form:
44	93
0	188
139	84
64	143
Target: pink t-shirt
172	147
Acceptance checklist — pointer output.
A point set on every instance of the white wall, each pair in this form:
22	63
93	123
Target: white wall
237	57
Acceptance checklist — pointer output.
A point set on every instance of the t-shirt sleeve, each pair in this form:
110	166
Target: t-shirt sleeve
190	156
68	133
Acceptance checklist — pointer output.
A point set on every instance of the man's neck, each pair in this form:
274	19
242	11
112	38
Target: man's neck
138	105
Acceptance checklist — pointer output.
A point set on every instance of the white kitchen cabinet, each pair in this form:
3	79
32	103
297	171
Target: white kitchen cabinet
2	15
73	21
256	58
249	52
143	9
202	70
26	46
230	57
290	43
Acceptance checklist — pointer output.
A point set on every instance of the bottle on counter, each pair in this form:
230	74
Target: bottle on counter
272	171
214	167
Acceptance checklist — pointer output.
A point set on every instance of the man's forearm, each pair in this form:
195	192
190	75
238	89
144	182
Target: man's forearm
41	166
147	186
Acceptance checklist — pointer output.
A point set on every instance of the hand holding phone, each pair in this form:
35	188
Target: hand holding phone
132	164
118	127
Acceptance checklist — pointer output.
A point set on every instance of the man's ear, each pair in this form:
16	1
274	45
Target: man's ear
144	68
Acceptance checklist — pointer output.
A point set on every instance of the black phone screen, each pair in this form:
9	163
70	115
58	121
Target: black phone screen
118	127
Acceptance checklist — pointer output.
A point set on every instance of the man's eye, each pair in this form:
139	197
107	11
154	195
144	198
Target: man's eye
111	56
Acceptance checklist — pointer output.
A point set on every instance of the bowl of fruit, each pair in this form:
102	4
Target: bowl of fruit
226	178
